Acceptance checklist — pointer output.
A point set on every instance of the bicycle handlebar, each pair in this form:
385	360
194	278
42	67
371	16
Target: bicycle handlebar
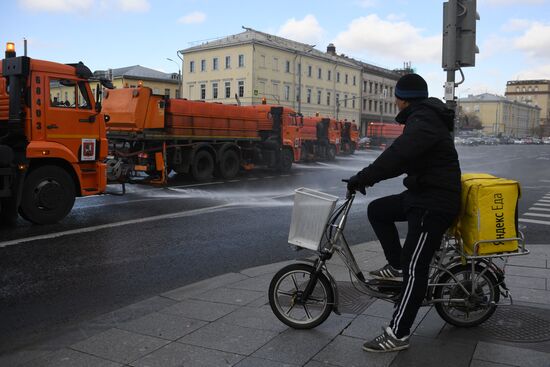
350	193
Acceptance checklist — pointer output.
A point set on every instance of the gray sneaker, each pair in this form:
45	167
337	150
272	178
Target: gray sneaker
388	272
387	342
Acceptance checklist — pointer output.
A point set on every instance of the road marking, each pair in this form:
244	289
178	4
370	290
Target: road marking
544	201
544	180
539	204
117	224
534	221
538	215
537	208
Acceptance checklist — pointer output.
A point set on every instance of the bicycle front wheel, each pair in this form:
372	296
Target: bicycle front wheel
287	301
464	305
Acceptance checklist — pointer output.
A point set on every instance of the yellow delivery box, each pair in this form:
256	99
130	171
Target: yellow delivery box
488	212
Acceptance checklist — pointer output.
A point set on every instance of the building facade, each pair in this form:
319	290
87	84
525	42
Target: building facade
501	116
377	94
253	66
535	93
167	84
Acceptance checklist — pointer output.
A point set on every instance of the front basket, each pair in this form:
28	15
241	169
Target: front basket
310	215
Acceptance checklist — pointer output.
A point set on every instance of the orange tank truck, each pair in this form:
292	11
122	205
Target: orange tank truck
319	138
349	138
52	138
382	134
154	135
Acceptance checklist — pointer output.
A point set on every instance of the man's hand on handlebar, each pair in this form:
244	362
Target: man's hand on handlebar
354	184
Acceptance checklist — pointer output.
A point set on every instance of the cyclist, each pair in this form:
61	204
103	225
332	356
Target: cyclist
425	152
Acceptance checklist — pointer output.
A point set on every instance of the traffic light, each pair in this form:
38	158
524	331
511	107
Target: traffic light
459	34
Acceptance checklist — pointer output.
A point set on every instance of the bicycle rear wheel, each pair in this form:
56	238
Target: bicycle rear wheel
477	306
286	301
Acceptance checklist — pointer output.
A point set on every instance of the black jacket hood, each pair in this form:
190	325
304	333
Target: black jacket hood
446	115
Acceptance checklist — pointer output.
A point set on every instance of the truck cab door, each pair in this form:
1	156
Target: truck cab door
71	119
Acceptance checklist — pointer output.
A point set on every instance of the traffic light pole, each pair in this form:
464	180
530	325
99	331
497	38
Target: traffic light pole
449	50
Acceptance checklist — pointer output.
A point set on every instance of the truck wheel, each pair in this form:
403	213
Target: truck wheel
286	160
203	166
228	166
48	195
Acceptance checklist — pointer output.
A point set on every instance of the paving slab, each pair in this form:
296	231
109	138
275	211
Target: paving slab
259	283
71	358
510	355
266	269
347	352
230	296
195	289
200	310
229	338
132	312
431	325
119	345
164	326
260	362
531	295
516	281
365	327
256	318
528	271
319	364
182	355
22	356
434	352
478	363
293	347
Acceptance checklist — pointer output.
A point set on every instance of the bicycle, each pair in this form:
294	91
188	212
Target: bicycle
464	288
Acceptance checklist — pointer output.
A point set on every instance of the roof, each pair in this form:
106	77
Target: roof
526	82
140	72
256	37
488	97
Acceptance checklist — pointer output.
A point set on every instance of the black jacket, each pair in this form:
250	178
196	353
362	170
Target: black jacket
426	153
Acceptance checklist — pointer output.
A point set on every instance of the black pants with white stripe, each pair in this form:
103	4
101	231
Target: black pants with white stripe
425	231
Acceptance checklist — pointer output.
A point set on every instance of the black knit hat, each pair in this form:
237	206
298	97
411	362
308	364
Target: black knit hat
411	86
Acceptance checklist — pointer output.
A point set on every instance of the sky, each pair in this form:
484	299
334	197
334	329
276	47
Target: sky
513	36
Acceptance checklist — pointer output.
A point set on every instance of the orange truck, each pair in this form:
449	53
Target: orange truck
382	134
319	138
150	135
349	138
52	138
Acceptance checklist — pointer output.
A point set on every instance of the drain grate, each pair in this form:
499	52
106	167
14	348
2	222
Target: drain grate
351	300
518	324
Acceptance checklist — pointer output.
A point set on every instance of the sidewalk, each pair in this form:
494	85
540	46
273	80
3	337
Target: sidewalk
227	321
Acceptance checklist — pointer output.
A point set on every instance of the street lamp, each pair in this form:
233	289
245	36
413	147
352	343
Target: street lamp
179	75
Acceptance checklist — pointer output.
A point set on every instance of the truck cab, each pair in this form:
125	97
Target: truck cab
52	138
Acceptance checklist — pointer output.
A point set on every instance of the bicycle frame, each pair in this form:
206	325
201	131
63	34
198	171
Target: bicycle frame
447	258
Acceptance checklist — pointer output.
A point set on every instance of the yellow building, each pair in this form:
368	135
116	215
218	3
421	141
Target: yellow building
502	117
535	93
250	66
167	84
377	93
